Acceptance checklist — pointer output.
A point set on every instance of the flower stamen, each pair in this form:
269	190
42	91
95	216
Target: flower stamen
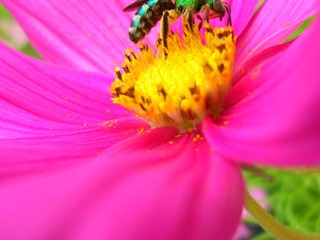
181	85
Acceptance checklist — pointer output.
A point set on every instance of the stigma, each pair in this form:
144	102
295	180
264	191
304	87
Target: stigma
182	84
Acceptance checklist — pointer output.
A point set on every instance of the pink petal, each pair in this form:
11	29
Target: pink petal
242	12
50	115
171	191
89	34
278	122
271	26
37	95
35	150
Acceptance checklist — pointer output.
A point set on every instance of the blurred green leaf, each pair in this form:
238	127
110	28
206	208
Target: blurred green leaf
29	50
293	198
4	14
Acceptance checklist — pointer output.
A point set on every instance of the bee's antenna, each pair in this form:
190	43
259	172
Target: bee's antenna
228	9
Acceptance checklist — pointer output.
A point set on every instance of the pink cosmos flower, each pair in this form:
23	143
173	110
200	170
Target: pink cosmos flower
76	166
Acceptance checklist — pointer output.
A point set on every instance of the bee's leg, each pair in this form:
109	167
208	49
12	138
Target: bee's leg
200	21
206	9
187	17
228	10
168	18
207	13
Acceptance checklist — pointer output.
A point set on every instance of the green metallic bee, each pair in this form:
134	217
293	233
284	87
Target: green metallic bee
151	11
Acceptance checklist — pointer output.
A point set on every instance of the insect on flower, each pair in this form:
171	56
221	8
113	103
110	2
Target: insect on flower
151	11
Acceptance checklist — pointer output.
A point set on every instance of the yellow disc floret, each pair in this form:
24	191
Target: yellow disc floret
182	84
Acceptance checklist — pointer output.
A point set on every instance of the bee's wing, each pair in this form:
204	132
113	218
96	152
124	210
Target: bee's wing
134	5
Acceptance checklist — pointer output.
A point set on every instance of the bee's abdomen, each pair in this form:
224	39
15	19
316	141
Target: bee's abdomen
146	17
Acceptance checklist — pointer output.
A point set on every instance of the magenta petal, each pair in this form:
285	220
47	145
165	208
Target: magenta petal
171	191
278	123
34	94
248	57
242	12
88	34
34	150
272	25
51	115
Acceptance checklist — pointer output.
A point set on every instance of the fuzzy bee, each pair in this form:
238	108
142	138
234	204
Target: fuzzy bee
150	12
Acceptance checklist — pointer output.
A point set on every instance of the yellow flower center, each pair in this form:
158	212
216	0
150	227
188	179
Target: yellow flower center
179	86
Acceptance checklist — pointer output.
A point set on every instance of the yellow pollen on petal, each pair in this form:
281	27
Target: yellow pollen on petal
181	85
